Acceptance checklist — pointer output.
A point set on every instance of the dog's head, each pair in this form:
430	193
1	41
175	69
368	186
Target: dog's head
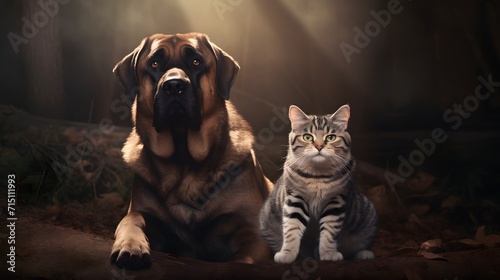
177	78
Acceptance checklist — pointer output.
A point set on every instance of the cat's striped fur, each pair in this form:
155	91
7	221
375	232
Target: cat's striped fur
315	196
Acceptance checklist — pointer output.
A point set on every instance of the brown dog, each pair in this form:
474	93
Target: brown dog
198	188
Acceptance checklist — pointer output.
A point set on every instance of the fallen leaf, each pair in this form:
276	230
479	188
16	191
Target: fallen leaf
432	256
420	209
451	202
480	234
73	136
410	243
470	242
491	240
432	246
85	167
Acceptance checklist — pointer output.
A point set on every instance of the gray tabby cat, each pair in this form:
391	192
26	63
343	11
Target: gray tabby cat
315	195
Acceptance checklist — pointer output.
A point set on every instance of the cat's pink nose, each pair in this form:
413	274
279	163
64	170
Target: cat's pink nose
319	147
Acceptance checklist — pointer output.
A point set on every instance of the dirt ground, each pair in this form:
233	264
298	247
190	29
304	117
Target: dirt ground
47	251
51	247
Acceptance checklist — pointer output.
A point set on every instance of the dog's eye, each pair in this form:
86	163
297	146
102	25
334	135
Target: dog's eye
196	62
154	64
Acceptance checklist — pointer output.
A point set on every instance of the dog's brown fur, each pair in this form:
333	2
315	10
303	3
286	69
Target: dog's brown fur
197	192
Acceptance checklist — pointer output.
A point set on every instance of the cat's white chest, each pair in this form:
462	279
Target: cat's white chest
319	195
315	208
317	200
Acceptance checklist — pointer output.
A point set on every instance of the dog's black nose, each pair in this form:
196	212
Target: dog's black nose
174	86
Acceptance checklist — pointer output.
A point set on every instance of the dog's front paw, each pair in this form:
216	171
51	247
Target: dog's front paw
131	254
331	256
284	257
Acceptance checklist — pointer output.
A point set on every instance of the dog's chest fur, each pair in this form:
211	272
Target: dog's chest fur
186	201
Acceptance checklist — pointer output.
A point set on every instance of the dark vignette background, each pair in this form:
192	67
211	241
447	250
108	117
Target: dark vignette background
425	60
400	83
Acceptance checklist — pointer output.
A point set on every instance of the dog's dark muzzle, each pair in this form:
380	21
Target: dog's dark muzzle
174	86
175	103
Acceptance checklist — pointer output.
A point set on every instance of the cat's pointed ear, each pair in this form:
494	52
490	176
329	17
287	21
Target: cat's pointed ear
341	116
296	116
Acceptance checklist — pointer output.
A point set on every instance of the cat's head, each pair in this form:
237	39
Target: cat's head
320	139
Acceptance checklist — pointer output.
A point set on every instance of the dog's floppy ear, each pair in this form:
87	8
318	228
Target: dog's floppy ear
227	68
126	70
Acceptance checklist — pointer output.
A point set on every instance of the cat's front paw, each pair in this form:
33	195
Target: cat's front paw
364	255
284	257
331	256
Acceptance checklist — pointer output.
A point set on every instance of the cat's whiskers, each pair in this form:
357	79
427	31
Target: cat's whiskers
297	163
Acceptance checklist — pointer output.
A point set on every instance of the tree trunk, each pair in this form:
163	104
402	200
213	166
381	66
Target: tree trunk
43	60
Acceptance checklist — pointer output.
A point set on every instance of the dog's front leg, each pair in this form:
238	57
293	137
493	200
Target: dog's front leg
251	248
131	247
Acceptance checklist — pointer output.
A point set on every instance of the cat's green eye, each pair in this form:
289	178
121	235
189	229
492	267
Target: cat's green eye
308	137
330	137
